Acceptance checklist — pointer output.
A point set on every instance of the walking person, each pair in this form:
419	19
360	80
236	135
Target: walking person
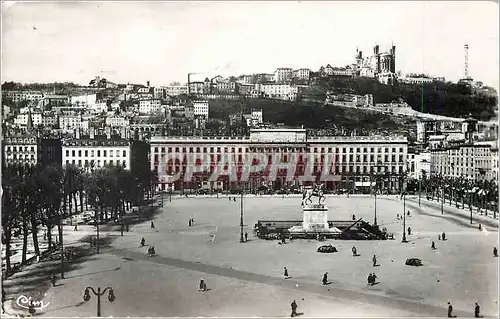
443	236
476	311
450	311
152	225
354	251
353	217
31	308
370	279
325	278
246	236
433	245
294	308
143	242
76	227
53	280
374	260
190	222
495	252
285	274
409	230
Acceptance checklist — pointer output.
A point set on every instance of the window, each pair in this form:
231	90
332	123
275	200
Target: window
350	149
344	158
67	162
358	150
394	150
124	164
79	163
86	153
67	152
105	153
156	150
98	153
92	153
124	153
387	150
343	149
350	158
72	153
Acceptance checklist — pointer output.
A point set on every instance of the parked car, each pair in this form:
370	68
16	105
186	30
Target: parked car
203	191
326	249
413	262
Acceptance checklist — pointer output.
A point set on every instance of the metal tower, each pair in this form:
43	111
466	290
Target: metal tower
466	49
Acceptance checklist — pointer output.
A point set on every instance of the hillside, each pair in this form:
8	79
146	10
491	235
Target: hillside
447	99
331	119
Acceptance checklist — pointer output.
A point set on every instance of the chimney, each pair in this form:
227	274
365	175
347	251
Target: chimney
92	132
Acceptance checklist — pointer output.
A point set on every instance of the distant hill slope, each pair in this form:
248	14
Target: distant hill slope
316	116
447	99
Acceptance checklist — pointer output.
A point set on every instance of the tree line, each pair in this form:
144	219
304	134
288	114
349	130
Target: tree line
442	98
40	197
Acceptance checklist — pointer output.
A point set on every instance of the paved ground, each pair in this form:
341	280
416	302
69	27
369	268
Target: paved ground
244	276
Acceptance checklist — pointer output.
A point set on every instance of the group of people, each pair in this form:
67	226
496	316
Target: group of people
191	222
372	279
151	251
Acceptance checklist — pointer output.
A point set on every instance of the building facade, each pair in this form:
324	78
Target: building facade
201	108
95	153
21	149
355	161
149	106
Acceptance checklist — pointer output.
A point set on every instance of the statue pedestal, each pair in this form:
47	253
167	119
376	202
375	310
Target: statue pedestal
315	217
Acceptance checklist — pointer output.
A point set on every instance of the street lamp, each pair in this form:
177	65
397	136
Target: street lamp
111	296
404	218
62	246
242	240
122	204
97	219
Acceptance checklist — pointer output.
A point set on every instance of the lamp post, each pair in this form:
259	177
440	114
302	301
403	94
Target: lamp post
404	218
122	212
97	219
442	200
242	240
62	246
99	293
419	190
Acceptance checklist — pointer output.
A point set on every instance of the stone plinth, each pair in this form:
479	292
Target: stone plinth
315	217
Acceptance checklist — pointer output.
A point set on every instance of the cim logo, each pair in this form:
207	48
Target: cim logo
24	302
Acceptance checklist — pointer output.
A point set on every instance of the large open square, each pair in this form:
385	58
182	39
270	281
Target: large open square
246	279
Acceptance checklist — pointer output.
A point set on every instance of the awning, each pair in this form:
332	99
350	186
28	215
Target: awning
364	184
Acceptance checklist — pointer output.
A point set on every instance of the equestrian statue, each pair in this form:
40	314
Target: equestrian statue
316	191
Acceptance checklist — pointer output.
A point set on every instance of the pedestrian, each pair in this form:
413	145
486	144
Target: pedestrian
283	239
294	308
409	230
433	245
126	226
408	213
152	225
353	217
476	310
190	222
495	252
325	278
480	227
143	242
450	311
246	236
439	237
76	227
53	280
397	216
285	274
354	251
370	279
31	308
374	259
443	236
374	279
234	198
203	285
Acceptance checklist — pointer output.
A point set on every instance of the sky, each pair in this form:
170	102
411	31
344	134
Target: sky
161	42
